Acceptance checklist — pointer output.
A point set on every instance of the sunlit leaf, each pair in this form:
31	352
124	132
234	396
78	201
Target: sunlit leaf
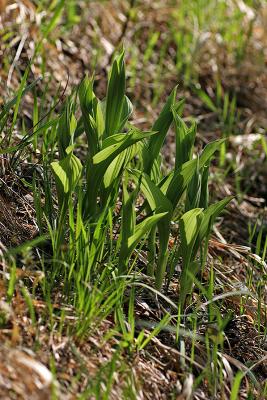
115	96
67	173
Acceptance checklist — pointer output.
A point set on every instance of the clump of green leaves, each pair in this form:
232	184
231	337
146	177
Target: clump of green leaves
125	163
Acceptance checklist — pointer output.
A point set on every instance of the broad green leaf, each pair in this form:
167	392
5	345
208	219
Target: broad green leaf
115	144
115	96
187	280
184	139
162	124
190	138
209	216
211	213
118	164
142	228
177	182
189	228
194	190
79	128
66	129
129	215
67	173
181	155
209	150
156	199
156	171
158	202
112	147
92	117
127	225
138	232
204	196
127	110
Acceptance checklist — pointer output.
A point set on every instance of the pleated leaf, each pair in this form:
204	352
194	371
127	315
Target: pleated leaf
115	96
67	173
177	181
162	125
189	229
112	147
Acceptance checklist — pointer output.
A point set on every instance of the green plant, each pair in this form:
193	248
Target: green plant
113	145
